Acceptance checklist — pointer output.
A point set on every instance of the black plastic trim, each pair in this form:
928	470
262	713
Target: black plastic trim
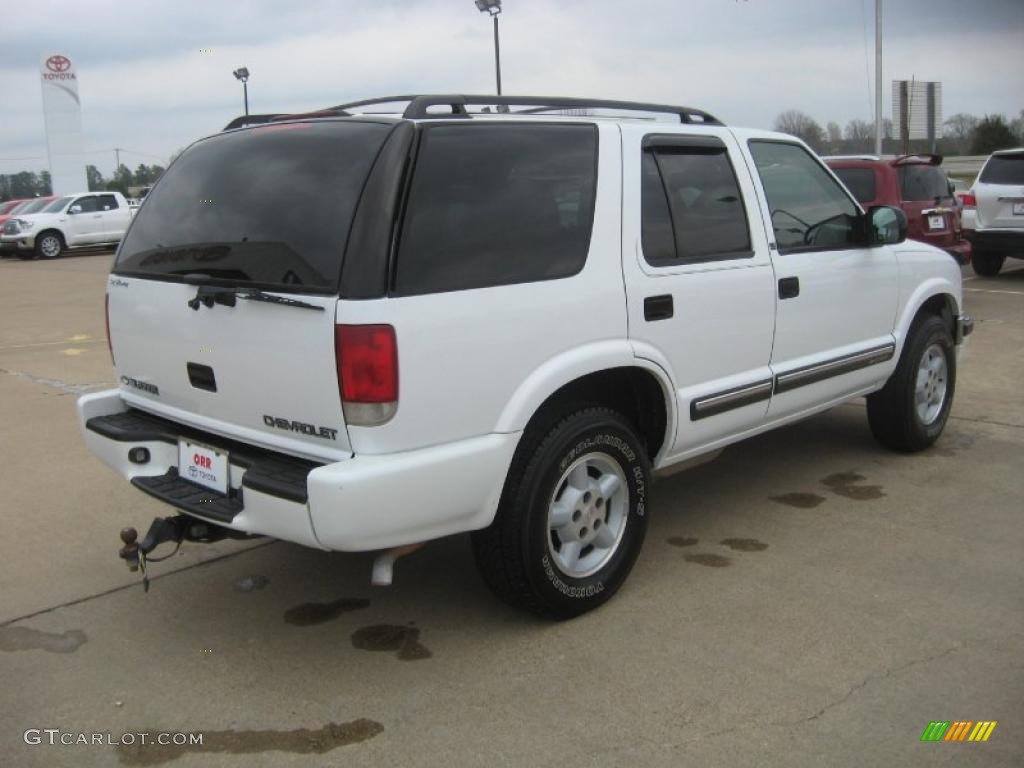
658	307
266	471
189	497
730	399
201	376
812	374
683	141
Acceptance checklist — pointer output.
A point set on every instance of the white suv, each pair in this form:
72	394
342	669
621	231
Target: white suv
994	212
87	219
367	331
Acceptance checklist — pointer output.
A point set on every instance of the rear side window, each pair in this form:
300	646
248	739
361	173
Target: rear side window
1003	169
691	207
922	182
497	204
108	203
268	207
860	181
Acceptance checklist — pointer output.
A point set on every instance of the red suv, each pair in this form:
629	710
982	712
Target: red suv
917	185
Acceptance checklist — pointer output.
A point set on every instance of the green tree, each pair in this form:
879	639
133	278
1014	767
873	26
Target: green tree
24	184
95	178
991	134
45	184
122	179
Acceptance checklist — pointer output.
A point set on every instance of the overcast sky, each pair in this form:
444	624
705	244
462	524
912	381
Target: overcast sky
146	86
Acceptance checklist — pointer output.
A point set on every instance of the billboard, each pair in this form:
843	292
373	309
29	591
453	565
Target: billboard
62	116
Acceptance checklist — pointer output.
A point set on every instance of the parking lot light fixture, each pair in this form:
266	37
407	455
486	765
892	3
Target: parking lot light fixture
242	73
493	7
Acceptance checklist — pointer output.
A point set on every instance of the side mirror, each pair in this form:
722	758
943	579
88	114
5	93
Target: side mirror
75	209
886	225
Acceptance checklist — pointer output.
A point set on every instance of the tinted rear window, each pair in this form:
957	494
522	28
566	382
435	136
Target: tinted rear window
498	204
1004	169
268	206
860	181
922	182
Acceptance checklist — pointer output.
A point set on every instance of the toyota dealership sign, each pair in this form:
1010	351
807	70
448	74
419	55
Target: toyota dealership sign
62	116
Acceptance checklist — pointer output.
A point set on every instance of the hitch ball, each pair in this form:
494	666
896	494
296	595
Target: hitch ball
130	551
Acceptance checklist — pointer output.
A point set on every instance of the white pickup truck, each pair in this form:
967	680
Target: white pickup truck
389	328
87	219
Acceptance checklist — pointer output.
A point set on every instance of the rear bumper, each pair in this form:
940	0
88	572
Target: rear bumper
1003	242
363	503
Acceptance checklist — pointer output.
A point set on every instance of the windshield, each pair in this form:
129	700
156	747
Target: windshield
57	205
1003	169
922	182
268	206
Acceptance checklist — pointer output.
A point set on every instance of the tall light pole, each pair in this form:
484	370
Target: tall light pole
493	7
243	74
878	77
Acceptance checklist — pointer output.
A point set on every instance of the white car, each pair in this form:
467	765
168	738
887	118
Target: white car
993	217
389	328
87	219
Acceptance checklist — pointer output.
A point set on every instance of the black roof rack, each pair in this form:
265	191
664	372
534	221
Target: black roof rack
419	108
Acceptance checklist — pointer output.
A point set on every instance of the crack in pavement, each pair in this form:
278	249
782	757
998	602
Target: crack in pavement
63	386
113	590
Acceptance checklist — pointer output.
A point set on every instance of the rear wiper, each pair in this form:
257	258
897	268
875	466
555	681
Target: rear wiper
209	295
257	295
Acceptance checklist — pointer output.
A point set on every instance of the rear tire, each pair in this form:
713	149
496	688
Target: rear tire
572	515
986	264
49	245
910	412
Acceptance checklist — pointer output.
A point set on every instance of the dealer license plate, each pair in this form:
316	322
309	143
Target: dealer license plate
203	465
936	222
1018	209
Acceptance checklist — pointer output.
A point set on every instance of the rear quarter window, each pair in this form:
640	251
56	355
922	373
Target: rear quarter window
496	205
860	181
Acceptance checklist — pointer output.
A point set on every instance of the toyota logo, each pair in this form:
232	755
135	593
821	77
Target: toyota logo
58	63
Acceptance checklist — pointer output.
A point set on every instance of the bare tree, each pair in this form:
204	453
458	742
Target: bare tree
860	135
835	137
959	129
803	126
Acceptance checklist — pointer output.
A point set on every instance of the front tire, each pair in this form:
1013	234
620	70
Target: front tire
572	515
986	264
910	412
49	245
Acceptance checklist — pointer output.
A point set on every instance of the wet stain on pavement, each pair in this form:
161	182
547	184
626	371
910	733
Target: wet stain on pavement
301	740
799	500
744	545
308	614
680	541
25	639
848	484
708	559
392	637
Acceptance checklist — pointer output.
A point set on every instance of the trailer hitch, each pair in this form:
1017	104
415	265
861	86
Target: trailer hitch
179	528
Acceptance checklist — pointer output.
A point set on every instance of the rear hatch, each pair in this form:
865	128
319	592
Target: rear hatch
223	295
999	192
932	212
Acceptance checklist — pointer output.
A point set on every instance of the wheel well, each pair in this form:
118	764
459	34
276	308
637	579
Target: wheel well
943	306
53	231
633	392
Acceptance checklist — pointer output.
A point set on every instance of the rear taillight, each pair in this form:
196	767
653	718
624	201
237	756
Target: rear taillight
969	200
367	359
106	314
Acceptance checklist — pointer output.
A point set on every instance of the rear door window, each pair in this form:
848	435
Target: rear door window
860	181
269	206
692	210
108	203
497	204
1003	169
920	183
